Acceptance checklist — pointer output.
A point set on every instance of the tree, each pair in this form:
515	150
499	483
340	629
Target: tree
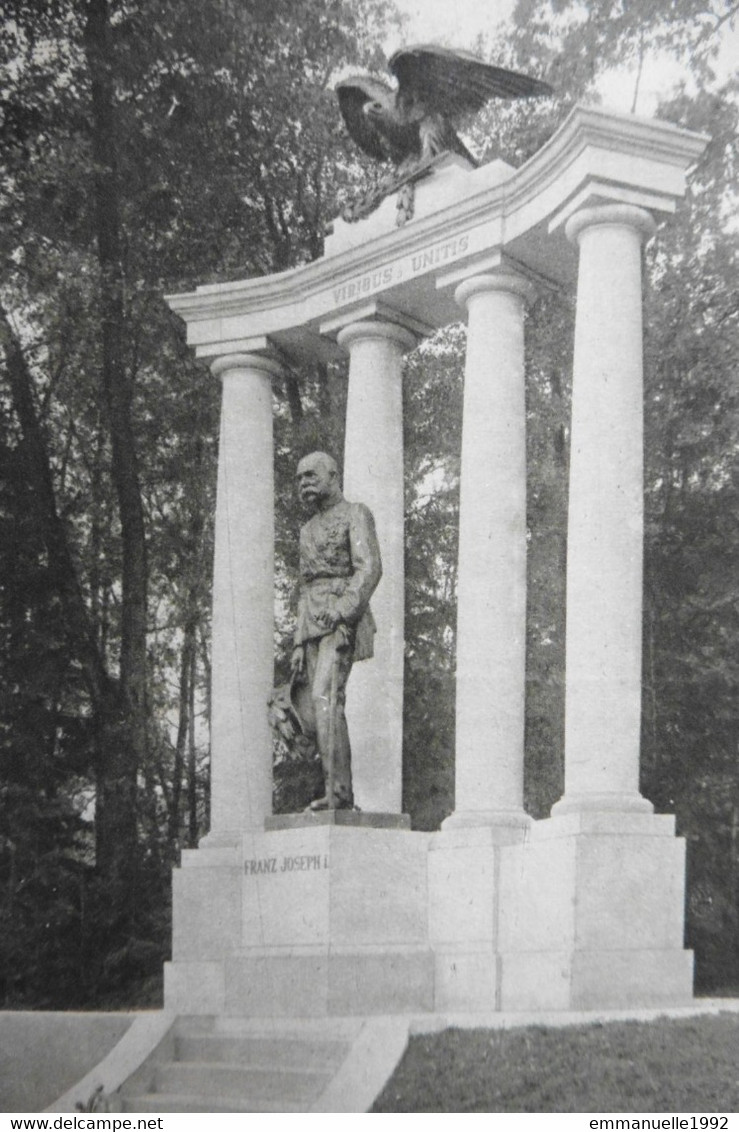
148	147
689	725
577	43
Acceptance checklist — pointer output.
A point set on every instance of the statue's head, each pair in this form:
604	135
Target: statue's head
317	478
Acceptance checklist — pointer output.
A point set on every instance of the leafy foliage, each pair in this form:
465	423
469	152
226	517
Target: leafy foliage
690	731
147	147
575	43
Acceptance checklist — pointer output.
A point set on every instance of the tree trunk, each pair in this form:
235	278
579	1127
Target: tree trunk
109	712
116	820
79	626
184	728
192	769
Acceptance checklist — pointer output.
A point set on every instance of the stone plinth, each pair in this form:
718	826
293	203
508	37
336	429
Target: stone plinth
594	906
465	913
582	911
579	912
308	982
318	920
446	180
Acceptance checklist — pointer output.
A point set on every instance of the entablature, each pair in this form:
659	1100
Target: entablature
494	211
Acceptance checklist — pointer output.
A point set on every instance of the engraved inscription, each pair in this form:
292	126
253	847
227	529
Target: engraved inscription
259	865
362	286
266	866
439	253
433	256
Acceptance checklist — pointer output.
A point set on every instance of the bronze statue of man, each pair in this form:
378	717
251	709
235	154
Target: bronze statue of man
339	570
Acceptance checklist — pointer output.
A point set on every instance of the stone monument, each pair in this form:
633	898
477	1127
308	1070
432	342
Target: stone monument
495	911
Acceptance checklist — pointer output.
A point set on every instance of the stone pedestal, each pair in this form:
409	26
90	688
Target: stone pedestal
323	920
373	474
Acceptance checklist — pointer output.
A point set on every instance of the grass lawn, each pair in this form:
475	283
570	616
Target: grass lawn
668	1066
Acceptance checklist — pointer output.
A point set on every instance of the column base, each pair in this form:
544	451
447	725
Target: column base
508	825
602	803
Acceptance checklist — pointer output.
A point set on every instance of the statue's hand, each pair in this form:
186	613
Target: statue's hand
329	618
297	662
342	633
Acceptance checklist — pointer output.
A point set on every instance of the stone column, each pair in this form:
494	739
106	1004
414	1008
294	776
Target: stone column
243	601
606	507
491	589
373	474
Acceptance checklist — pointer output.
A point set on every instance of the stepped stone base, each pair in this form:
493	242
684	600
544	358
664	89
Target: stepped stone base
581	911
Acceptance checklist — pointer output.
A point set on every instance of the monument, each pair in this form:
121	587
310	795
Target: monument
339	912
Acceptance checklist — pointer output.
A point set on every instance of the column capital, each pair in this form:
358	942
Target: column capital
256	363
376	328
509	281
620	215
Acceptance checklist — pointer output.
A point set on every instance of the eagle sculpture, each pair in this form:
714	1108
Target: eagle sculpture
436	87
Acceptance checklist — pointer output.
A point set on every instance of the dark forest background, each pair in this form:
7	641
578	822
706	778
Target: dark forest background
151	146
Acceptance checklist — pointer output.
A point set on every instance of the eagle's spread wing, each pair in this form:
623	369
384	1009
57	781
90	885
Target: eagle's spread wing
354	93
455	83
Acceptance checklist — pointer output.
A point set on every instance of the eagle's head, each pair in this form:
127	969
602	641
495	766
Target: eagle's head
375	111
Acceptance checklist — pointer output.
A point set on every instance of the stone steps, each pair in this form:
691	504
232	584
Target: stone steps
241	1067
239	1079
323	1028
186	1102
292	1053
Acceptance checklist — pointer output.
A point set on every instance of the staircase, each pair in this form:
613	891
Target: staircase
242	1065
